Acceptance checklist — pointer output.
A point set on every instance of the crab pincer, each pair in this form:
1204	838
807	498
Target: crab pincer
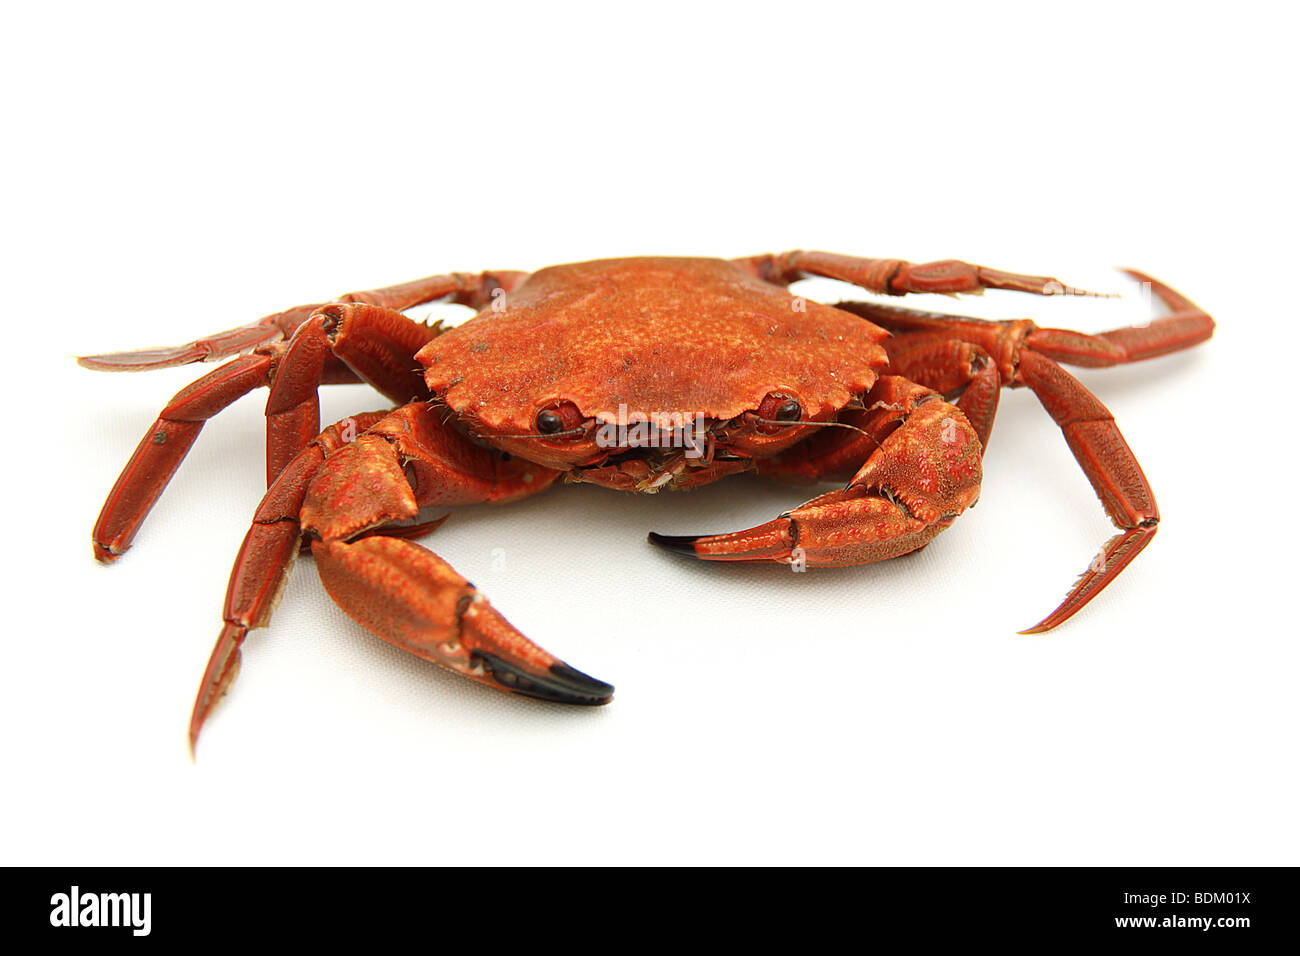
922	470
355	499
416	601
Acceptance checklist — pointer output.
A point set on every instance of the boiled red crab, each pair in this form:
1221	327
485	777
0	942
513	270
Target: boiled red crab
895	406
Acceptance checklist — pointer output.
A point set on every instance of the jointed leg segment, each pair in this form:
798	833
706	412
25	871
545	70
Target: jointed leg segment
930	348
165	445
360	337
922	470
355	501
898	276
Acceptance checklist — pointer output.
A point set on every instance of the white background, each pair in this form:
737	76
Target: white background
168	173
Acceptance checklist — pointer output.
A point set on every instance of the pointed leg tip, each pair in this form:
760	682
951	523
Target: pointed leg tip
223	668
106	554
1054	620
198	718
143	360
108	362
680	544
201	710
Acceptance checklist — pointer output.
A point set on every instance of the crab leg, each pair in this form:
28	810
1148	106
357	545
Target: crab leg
923	471
166	443
1111	467
898	276
356	502
926	471
262	567
212	348
471	289
293	416
1186	325
1024	354
1091	433
371	339
377	343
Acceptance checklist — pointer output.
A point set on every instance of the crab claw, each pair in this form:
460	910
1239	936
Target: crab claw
843	528
923	471
414	600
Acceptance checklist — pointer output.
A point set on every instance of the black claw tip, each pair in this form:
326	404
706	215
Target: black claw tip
682	544
597	690
561	684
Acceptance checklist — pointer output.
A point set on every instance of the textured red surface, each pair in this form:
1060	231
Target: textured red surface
686	335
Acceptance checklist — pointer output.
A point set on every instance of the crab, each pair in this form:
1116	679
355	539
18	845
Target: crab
639	374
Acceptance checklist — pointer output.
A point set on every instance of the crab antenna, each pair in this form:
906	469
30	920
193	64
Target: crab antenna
773	421
567	431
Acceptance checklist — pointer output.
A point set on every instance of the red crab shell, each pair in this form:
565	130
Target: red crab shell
658	335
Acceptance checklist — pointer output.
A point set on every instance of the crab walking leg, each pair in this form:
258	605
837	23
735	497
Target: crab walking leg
170	438
1111	467
376	342
339	344
1186	325
477	290
1089	429
923	471
357	501
1028	355
262	567
472	289
211	348
898	276
386	362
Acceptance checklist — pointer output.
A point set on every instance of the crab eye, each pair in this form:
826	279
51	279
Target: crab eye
559	417
548	422
780	408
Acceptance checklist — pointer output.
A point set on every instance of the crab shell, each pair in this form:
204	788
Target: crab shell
691	338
